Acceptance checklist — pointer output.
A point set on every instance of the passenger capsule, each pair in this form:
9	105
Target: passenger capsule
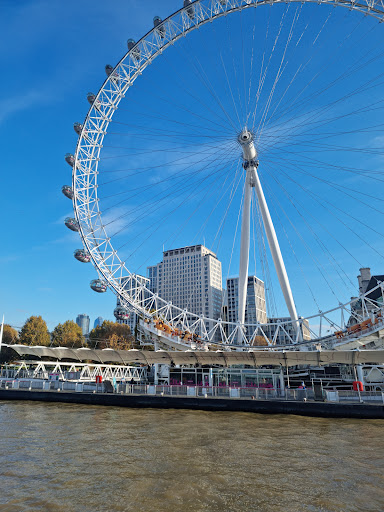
78	127
108	69
67	191
70	159
98	286
121	313
113	74
157	23
131	43
91	98
71	224
190	10
82	255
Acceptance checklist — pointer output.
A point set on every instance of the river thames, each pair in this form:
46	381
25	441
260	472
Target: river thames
63	458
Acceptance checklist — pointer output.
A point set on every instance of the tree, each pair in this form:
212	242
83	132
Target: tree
10	335
35	332
111	335
68	334
259	341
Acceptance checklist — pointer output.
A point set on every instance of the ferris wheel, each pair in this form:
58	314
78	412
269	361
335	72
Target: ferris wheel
254	125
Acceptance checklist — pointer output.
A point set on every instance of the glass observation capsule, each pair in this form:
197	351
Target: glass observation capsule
108	69
82	255
157	23
78	127
71	224
98	286
67	191
70	159
190	10
131	43
91	98
121	313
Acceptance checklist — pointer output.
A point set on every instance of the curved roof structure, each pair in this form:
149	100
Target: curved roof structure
223	358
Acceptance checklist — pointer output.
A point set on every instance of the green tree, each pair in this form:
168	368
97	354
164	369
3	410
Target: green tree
68	334
111	335
35	332
10	335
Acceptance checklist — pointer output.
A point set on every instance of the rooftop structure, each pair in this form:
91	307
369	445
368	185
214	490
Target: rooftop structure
366	282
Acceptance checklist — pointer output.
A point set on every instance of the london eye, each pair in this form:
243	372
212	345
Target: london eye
256	127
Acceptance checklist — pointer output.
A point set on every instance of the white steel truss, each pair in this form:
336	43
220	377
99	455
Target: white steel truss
81	372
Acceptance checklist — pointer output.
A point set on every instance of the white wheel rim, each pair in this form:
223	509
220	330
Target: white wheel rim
84	178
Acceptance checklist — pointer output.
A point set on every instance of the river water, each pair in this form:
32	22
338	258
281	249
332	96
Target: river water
64	458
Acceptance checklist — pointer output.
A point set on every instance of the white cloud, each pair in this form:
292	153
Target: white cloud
19	103
378	141
45	290
9	258
117	219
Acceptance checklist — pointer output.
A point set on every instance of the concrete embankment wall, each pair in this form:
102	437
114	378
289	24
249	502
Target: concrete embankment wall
319	409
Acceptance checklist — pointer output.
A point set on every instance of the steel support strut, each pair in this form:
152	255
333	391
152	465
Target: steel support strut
252	180
244	248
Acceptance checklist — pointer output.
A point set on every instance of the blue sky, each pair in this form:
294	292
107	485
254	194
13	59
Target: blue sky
53	53
56	52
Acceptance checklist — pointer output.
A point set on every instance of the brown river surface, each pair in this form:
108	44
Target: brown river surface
64	458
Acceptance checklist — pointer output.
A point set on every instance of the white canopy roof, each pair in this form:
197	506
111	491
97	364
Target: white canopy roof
224	358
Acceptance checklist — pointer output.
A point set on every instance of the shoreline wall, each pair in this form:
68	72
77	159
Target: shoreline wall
309	408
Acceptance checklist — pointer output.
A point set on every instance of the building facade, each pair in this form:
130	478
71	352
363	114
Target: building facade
283	338
98	322
83	322
366	283
255	307
190	278
364	279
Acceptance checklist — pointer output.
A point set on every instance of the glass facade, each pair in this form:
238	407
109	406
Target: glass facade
255	307
225	377
83	322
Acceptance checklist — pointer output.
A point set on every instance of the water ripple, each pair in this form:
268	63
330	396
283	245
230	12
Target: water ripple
64	458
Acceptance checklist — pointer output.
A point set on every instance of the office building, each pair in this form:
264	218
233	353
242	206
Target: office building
190	278
83	322
98	322
255	307
284	334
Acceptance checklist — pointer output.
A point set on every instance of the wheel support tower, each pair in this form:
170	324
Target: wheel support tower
252	181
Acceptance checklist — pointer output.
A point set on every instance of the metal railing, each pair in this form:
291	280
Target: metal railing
362	396
217	392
